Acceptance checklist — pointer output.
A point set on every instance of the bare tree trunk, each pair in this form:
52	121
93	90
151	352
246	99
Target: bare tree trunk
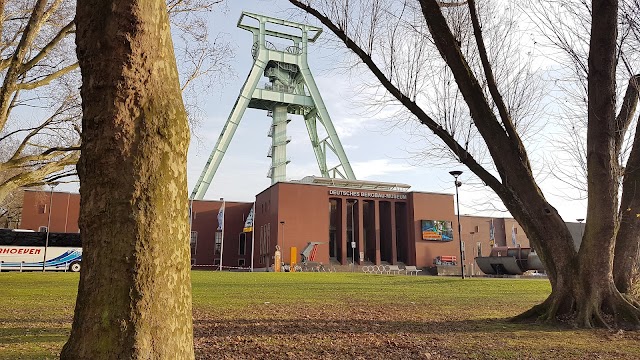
587	291
596	291
627	253
134	296
582	283
626	266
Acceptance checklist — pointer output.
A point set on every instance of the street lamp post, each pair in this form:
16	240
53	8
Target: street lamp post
456	174
353	238
283	249
478	248
221	226
581	228
46	242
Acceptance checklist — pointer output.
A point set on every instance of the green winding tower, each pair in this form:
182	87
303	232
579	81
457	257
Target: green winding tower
291	89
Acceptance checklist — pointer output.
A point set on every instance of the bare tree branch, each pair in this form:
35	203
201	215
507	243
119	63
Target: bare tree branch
34	177
13	70
425	119
37	59
68	29
47	79
493	88
627	110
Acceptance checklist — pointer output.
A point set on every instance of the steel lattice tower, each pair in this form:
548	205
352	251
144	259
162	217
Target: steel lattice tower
291	89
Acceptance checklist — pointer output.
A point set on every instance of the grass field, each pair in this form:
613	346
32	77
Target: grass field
327	316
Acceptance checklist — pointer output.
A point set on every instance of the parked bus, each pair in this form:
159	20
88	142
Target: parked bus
24	250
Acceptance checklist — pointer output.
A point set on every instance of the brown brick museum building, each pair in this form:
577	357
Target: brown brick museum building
347	220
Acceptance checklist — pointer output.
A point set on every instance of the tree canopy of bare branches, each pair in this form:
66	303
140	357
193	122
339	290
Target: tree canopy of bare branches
39	99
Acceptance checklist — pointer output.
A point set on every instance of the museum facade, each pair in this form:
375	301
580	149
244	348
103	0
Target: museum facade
329	221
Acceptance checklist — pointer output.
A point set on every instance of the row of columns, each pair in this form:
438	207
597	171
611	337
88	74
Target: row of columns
358	230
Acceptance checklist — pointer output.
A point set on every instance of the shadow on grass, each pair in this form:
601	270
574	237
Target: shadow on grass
21	335
244	327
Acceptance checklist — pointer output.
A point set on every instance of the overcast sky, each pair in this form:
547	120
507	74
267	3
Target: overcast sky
376	150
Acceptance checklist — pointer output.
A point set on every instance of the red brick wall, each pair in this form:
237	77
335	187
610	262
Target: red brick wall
205	223
428	206
65	210
305	212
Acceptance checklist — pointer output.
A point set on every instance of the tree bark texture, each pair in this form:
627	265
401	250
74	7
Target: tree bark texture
134	296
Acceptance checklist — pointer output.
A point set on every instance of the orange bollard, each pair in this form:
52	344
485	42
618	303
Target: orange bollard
294	259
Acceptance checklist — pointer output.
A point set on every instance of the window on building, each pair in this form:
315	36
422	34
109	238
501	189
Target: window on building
218	244
42	209
43	229
242	246
241	262
476	229
268	238
263	239
194	246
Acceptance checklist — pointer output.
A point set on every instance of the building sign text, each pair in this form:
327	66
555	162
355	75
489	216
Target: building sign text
365	194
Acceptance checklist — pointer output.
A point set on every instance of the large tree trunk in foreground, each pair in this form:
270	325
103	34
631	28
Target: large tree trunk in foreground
134	296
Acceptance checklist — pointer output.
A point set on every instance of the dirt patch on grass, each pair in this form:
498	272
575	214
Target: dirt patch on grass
353	331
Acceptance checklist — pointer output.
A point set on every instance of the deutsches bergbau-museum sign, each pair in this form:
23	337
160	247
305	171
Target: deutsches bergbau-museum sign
365	194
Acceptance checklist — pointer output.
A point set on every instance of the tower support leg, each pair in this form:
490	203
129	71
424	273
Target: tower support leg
279	143
229	130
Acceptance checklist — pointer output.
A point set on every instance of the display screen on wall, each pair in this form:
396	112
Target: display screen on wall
437	230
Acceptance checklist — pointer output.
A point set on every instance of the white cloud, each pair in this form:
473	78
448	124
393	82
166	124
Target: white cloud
378	167
296	171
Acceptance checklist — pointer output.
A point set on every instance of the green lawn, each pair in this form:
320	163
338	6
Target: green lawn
327	316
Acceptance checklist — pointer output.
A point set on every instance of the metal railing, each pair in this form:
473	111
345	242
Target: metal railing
280	88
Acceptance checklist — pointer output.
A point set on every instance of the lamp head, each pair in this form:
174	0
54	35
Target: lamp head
579	220
455	173
282	222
